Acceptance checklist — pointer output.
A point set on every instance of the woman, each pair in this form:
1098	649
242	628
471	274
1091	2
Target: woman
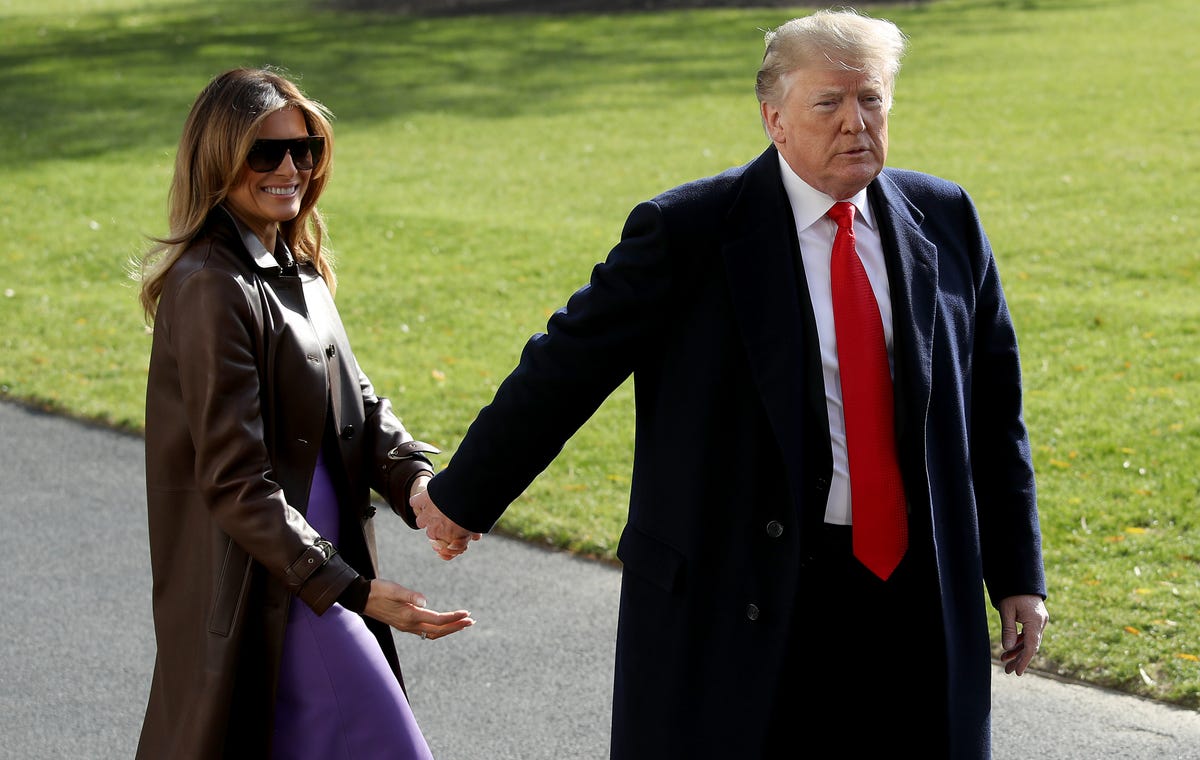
264	440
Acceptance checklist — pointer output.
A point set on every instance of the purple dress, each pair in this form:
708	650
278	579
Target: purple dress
338	698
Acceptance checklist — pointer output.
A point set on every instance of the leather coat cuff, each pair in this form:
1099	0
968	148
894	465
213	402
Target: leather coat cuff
310	560
406	463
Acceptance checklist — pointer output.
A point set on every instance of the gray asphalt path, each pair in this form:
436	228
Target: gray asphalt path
531	681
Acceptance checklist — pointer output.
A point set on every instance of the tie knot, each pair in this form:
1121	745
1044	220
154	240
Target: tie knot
842	213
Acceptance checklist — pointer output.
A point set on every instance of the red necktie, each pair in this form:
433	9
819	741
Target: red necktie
876	491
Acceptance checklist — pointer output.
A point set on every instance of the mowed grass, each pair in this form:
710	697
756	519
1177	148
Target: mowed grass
484	164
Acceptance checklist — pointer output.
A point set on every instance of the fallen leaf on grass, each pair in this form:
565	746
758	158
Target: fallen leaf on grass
1145	676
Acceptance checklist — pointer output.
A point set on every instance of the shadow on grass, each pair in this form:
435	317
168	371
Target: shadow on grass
101	82
111	82
468	7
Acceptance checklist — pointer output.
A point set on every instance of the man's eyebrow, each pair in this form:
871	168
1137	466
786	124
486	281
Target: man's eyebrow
829	92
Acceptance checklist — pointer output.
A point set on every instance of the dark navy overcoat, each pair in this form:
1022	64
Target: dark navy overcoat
701	302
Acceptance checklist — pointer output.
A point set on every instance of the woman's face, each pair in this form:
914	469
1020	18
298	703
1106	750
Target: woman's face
264	199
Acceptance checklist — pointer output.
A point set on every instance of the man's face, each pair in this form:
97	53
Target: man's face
831	128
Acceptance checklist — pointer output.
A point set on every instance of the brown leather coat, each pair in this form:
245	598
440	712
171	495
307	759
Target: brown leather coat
250	371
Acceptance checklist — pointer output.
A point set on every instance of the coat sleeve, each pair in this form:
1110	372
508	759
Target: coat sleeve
397	459
590	346
1001	457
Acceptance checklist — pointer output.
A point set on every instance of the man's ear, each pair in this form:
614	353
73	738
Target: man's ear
770	119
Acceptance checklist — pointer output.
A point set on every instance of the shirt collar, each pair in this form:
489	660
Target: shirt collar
258	252
810	204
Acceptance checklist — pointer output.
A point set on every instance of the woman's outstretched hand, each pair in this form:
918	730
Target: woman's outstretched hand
404	610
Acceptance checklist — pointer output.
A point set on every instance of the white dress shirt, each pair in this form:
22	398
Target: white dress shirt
816	232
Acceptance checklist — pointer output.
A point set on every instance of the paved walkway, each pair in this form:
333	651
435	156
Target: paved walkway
530	681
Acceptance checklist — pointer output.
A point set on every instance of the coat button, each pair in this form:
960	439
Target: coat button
822	484
347	432
370	512
752	612
774	529
331	351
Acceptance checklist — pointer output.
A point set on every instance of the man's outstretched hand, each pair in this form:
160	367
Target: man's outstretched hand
447	537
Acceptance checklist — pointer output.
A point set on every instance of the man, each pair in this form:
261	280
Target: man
753	623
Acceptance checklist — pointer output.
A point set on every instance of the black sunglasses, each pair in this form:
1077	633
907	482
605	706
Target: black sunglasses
266	155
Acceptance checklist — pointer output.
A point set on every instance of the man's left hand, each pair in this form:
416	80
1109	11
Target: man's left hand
1029	612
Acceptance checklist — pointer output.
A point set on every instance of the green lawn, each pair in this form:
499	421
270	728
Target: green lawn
485	163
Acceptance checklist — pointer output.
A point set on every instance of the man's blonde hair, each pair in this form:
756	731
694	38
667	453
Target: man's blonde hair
843	38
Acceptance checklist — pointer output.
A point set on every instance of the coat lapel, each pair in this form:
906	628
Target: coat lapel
913	281
761	262
760	257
